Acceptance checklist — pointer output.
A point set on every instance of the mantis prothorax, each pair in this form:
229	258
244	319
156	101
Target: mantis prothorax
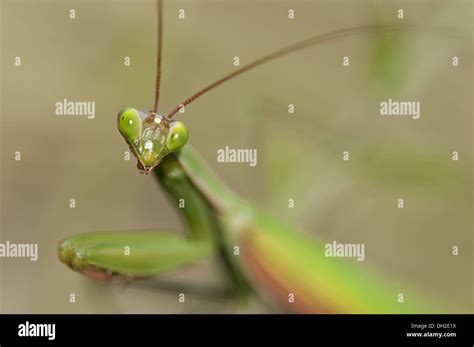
274	260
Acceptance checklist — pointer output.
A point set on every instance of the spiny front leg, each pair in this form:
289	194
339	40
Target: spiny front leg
105	255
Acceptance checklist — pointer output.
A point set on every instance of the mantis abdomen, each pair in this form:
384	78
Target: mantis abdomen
293	269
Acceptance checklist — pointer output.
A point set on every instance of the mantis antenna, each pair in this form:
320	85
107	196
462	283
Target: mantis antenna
315	40
158	54
319	39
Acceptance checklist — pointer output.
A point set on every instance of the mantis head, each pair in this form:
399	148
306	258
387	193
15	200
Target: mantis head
150	136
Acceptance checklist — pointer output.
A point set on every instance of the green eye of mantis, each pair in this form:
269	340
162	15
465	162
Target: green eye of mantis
129	124
177	137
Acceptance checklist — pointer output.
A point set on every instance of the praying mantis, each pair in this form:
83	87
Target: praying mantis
263	256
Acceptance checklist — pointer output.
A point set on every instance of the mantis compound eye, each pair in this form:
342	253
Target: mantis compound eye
177	136
129	124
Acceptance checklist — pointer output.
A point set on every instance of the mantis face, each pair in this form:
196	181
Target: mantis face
150	136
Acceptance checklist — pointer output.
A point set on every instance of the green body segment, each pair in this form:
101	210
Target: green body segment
144	258
135	254
293	269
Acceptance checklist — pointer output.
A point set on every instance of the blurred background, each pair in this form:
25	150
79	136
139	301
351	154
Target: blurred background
299	155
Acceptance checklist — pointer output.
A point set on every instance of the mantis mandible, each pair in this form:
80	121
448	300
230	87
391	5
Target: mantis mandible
274	261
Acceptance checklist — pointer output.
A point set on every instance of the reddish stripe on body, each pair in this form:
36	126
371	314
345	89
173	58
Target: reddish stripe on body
257	270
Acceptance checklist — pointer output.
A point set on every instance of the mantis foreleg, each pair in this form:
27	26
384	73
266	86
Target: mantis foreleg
143	254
